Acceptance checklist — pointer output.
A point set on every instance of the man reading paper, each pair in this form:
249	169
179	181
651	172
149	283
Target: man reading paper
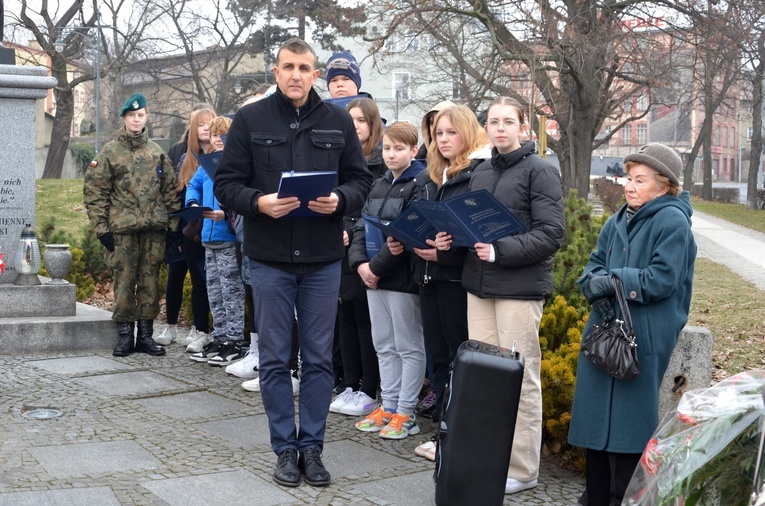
295	262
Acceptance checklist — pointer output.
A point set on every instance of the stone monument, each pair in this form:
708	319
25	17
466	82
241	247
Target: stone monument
43	317
20	87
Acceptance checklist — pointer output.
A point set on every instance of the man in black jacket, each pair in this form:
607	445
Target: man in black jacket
295	262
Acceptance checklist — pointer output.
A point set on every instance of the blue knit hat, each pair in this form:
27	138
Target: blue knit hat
344	64
134	103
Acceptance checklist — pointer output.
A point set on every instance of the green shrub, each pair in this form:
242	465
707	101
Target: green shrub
582	231
95	262
563	319
560	333
83	154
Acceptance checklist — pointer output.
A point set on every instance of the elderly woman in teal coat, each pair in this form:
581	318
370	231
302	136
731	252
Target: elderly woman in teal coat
649	246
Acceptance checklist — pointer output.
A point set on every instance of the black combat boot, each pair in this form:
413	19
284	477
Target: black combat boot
144	343
126	331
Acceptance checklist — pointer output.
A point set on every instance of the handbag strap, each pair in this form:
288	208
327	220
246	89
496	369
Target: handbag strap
619	292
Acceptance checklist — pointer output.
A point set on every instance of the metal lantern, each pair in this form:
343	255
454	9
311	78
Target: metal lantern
27	260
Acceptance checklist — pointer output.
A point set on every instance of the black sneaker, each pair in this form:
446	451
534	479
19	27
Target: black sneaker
313	469
427	406
209	351
287	471
229	353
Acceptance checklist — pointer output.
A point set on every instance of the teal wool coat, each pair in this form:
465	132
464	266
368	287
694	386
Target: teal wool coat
653	254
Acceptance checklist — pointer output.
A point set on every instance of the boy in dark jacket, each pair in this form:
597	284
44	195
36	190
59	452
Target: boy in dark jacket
393	304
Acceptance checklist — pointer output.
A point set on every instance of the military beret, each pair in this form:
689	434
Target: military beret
134	103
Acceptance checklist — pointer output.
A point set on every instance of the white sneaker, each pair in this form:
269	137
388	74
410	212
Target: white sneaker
360	405
427	450
253	385
341	400
199	343
167	336
512	485
193	336
246	368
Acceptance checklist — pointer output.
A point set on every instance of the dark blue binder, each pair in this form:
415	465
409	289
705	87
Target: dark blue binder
471	217
373	235
306	186
411	228
191	213
209	162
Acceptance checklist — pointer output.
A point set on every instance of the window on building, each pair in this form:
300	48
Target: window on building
393	43
732	137
716	140
725	137
413	46
627	105
749	132
402	85
642	102
627	134
458	90
642	134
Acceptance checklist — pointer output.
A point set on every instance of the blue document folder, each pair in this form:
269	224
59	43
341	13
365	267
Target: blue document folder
191	213
306	186
209	162
411	228
373	235
471	217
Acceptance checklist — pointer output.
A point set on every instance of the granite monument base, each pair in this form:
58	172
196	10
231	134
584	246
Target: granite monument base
47	318
37	300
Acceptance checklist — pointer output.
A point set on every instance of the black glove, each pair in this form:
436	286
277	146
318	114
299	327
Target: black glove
604	306
107	240
172	237
595	287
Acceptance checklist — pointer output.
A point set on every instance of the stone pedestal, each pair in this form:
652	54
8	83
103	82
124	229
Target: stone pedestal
691	361
20	87
37	300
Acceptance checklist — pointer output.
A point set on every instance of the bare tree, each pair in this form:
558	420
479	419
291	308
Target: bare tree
580	56
52	21
753	51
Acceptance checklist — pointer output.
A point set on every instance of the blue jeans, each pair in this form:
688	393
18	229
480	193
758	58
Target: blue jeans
277	295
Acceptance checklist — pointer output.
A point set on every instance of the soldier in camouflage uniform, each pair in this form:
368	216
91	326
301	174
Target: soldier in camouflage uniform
129	189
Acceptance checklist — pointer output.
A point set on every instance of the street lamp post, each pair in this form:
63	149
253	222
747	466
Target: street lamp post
246	78
59	46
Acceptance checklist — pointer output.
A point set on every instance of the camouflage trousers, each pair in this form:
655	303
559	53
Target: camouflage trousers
225	291
135	265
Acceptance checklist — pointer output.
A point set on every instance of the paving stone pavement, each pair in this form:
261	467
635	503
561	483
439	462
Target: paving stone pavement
168	431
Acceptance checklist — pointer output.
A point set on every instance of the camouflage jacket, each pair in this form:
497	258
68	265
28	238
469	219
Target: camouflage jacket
130	187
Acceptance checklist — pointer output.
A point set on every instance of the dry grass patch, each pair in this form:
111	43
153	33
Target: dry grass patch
733	309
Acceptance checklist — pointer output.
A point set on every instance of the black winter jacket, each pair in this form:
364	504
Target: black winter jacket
449	264
387	199
351	284
531	188
271	136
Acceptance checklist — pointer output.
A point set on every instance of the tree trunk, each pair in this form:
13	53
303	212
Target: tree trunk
756	148
60	135
706	130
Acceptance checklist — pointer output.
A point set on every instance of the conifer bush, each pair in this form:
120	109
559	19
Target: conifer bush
563	320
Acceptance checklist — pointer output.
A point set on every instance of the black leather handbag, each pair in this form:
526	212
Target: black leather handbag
611	346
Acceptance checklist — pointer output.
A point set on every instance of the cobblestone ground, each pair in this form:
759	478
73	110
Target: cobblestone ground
166	431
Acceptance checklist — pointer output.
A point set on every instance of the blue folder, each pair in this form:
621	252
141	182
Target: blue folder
306	186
